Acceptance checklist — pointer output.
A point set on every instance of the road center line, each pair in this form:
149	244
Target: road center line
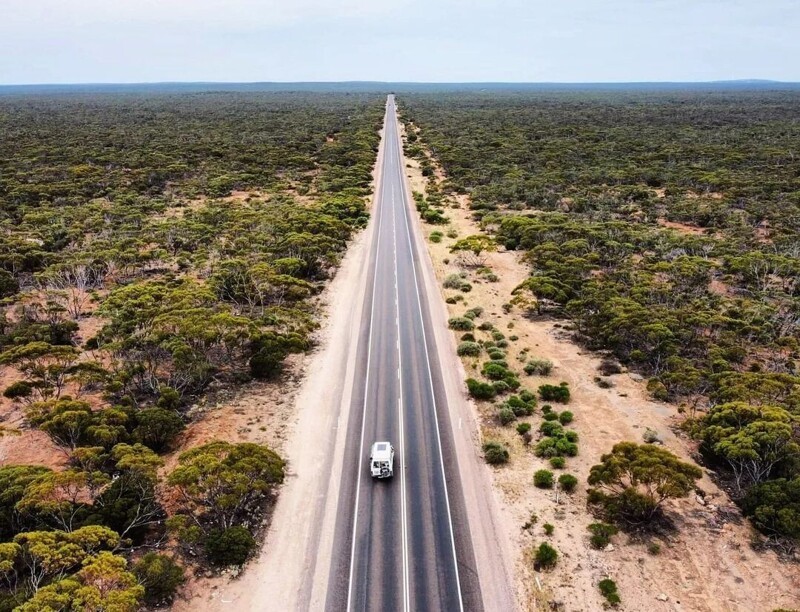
403	518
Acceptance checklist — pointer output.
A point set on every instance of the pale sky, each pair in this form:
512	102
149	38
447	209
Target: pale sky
123	41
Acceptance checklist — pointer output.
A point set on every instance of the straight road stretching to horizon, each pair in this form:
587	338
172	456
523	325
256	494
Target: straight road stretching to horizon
402	543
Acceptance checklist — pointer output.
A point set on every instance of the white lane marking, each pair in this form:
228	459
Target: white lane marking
403	516
359	466
430	375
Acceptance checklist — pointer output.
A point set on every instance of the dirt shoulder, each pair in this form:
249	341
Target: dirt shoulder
706	564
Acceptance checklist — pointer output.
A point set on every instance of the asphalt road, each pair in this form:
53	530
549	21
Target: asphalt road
401	543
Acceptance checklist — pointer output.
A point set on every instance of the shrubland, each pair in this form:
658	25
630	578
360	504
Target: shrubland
155	246
664	226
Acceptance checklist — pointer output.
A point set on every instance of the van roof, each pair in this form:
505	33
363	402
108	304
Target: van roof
381	450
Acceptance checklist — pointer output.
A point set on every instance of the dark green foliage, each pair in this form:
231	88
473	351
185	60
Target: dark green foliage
13	480
546	556
551	428
543	479
495	453
555	393
633	480
774	507
567	482
231	546
548	529
519	406
539	367
601	534
557	462
608	588
480	390
157	427
160	576
549	415
523	428
461	324
565	417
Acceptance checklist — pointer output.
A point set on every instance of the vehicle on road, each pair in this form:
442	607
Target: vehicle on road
381	460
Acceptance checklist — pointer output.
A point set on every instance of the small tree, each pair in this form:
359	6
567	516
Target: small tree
633	480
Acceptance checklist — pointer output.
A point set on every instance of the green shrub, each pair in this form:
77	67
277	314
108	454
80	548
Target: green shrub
465	287
565	417
523	428
609	590
494	371
539	367
546	556
495	453
460	324
506	416
567	482
468	337
527	396
480	390
548	529
557	462
474	313
520	407
497	335
500	387
550	428
601	534
160	576
549	415
571	435
496	354
436	237
654	548
543	479
469	349
486	326
454	299
555	393
547	408
502	343
231	546
453	281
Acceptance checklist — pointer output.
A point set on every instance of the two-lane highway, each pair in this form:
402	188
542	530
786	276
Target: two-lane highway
404	543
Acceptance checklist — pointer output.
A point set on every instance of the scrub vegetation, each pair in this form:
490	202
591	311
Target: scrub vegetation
154	247
664	226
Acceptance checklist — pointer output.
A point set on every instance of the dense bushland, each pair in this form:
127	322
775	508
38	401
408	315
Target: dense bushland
665	226
154	246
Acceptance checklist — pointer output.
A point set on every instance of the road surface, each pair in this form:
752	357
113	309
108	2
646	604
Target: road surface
403	543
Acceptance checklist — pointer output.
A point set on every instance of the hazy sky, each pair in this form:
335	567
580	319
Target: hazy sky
68	41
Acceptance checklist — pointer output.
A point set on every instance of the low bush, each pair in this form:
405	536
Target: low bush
551	428
496	354
548	529
436	237
546	556
543	479
469	349
567	482
486	326
454	281
539	367
474	313
608	588
523	428
565	417
480	390
468	337
519	406
555	393
608	367
500	387
231	546
495	453
550	415
460	324
527	396
557	462
160	576
601	534
506	416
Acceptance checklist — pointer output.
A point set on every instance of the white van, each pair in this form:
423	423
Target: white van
381	460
